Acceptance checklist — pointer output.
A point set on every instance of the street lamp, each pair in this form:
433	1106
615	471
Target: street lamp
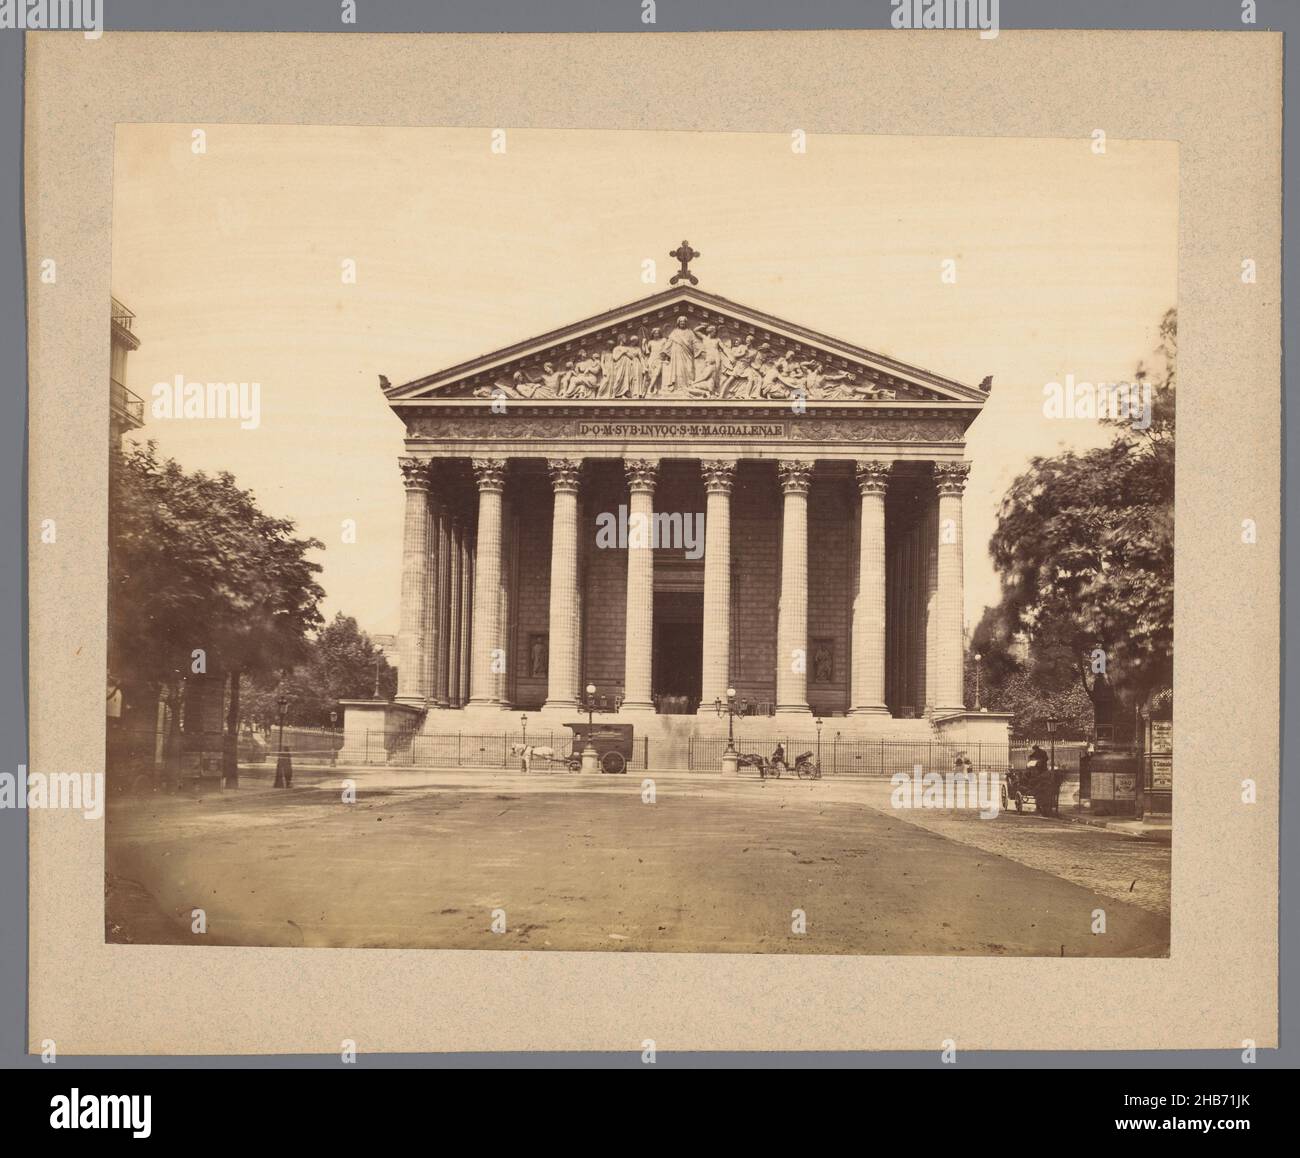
978	658
820	721
334	750
730	760
589	752
283	760
523	723
1051	742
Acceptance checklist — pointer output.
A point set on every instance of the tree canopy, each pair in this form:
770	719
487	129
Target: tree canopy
195	564
1085	547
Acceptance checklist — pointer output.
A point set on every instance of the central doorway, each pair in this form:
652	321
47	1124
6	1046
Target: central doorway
678	651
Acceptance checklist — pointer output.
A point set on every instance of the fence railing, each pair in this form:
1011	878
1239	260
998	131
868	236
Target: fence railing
856	757
405	749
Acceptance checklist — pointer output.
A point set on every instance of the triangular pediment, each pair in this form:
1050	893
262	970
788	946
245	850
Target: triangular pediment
643	352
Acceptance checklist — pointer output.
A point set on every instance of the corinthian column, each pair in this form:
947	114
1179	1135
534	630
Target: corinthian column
638	640
719	476
453	634
488	659
562	644
792	611
439	687
868	690
411	633
944	666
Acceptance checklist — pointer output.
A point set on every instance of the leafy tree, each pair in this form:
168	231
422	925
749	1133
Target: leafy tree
194	563
1085	547
339	665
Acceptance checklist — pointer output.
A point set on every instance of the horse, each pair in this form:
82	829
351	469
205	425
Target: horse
527	753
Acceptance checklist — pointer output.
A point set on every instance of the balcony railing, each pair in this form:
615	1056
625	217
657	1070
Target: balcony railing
126	404
121	315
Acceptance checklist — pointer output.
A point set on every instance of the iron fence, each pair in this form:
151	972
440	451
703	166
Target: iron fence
849	757
407	749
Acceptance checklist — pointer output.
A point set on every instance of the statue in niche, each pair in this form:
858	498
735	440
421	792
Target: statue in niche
823	662
537	656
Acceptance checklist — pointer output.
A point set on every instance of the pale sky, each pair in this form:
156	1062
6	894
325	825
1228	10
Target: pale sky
231	260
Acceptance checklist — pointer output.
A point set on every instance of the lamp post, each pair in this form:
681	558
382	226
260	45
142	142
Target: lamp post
283	759
523	723
589	762
1054	804
978	658
730	759
334	749
819	721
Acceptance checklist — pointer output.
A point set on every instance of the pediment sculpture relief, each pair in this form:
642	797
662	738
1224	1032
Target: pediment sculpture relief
705	361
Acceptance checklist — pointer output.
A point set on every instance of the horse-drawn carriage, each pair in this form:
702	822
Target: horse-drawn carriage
612	742
804	765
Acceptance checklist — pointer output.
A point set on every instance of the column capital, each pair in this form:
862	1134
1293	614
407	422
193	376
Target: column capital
564	474
489	473
795	475
642	474
719	475
950	477
873	476
415	473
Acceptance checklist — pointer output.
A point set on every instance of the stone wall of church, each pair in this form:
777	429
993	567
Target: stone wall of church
532	509
832	508
604	585
756	573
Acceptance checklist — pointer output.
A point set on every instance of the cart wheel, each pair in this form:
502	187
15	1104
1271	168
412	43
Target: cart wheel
1020	802
613	762
804	770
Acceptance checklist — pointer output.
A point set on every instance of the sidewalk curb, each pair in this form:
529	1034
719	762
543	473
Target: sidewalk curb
1153	834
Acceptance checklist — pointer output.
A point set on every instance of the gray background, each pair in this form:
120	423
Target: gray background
545	16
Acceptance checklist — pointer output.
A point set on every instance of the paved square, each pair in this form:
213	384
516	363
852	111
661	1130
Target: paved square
422	859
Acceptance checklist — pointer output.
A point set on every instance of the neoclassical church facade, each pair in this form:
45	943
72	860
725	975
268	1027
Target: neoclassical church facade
826	480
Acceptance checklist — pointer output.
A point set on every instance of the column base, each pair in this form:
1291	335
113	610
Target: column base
871	710
793	710
487	703
559	707
637	708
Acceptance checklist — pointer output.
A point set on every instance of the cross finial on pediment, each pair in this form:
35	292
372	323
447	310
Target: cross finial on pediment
685	255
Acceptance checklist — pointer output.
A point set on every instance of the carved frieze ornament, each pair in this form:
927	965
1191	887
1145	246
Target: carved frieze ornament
795	476
688	353
873	476
950	477
489	473
719	474
642	474
415	473
564	473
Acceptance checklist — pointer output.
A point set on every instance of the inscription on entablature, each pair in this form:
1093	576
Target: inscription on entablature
506	428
